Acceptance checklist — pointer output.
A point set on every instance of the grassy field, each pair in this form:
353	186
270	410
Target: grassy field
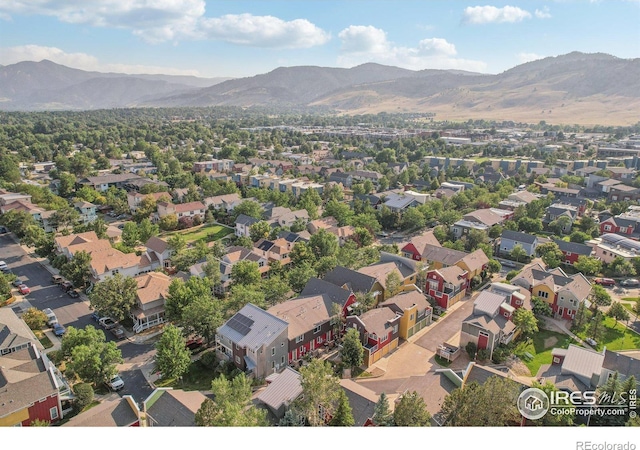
207	232
616	337
540	347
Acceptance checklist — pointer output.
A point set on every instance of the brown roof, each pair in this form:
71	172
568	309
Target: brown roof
191	206
452	274
407	300
444	255
152	286
74	239
105	261
485	216
156	244
476	260
303	313
377	320
381	271
120	412
420	242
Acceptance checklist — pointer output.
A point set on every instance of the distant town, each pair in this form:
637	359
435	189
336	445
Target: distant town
246	267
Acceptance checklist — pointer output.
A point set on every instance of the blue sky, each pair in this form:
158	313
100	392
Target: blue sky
234	38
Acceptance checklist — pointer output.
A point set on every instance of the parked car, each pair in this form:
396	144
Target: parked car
66	286
57	279
630	282
58	329
591	342
24	289
508	264
604	281
118	332
3	265
73	293
17	282
96	316
194	343
51	316
3	230
116	383
108	323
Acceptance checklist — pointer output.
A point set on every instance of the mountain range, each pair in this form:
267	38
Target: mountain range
576	88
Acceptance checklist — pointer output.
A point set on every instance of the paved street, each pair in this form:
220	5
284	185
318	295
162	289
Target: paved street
449	326
73	312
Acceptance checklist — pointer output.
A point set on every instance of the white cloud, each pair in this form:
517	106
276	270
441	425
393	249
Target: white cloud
526	57
83	61
543	13
262	31
362	44
491	14
173	20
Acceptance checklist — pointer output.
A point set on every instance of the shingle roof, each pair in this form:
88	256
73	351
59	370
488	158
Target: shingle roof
173	408
304	313
361	399
109	413
316	286
573	247
406	300
156	244
623	364
357	282
518	237
377	320
427	238
152	286
243	219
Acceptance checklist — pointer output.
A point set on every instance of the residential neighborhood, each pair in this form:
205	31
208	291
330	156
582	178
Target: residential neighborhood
298	276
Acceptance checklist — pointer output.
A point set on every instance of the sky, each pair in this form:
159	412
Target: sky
236	38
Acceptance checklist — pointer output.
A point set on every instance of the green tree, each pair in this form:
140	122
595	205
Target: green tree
550	253
325	264
413	219
320	392
411	411
343	416
600	296
495	399
231	405
246	273
240	295
620	267
518	252
352	351
636	308
168	222
382	415
89	357
172	357
340	211
587	265
66	185
363	236
131	234
323	243
526	321
177	243
579	237
77	270
563	420
84	395
34	318
275	289
259	230
299	276
115	296
582	316
618	312
301	254
392	284
248	208
530	225
596	326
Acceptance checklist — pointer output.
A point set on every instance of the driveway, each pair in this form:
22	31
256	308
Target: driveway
448	327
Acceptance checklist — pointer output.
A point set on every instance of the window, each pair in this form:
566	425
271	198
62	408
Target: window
395	329
237	360
411	317
53	412
623	229
543	294
317	329
556	360
282	360
273	351
114	271
319	340
607	228
273	364
300	338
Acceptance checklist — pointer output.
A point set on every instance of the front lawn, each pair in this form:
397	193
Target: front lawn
44	340
616	337
540	346
197	378
207	232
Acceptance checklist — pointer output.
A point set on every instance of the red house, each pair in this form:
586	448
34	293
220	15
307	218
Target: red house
573	250
378	330
29	388
416	248
446	286
618	225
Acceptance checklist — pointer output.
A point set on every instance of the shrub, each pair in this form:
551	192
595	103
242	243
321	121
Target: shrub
471	349
84	395
209	360
511	274
483	354
500	354
34	318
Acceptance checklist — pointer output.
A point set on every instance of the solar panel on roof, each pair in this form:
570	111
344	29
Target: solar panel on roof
240	323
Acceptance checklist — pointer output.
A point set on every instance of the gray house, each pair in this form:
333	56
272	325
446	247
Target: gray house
510	239
256	341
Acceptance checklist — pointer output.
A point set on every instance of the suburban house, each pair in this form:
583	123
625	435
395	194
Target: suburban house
575	369
337	294
623	192
153	288
403	267
362	401
255	341
345	179
182	210
134	199
282	389
399	202
158	252
225	202
480	219
168	407
7	197
234	255
473	263
276	250
127	181
309	319
214	165
414	310
379	331
31	388
447	285
558	211
563	293
243	225
490	323
417	246
571	251
118	412
14	333
86	210
331	225
353	280
625	224
509	239
609	246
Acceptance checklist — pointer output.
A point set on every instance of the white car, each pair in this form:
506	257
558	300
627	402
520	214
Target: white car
3	265
116	383
51	317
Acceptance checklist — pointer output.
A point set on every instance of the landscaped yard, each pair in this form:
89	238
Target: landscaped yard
44	340
616	337
198	378
540	347
207	232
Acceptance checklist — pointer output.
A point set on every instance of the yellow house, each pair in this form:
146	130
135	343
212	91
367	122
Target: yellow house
414	310
381	272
